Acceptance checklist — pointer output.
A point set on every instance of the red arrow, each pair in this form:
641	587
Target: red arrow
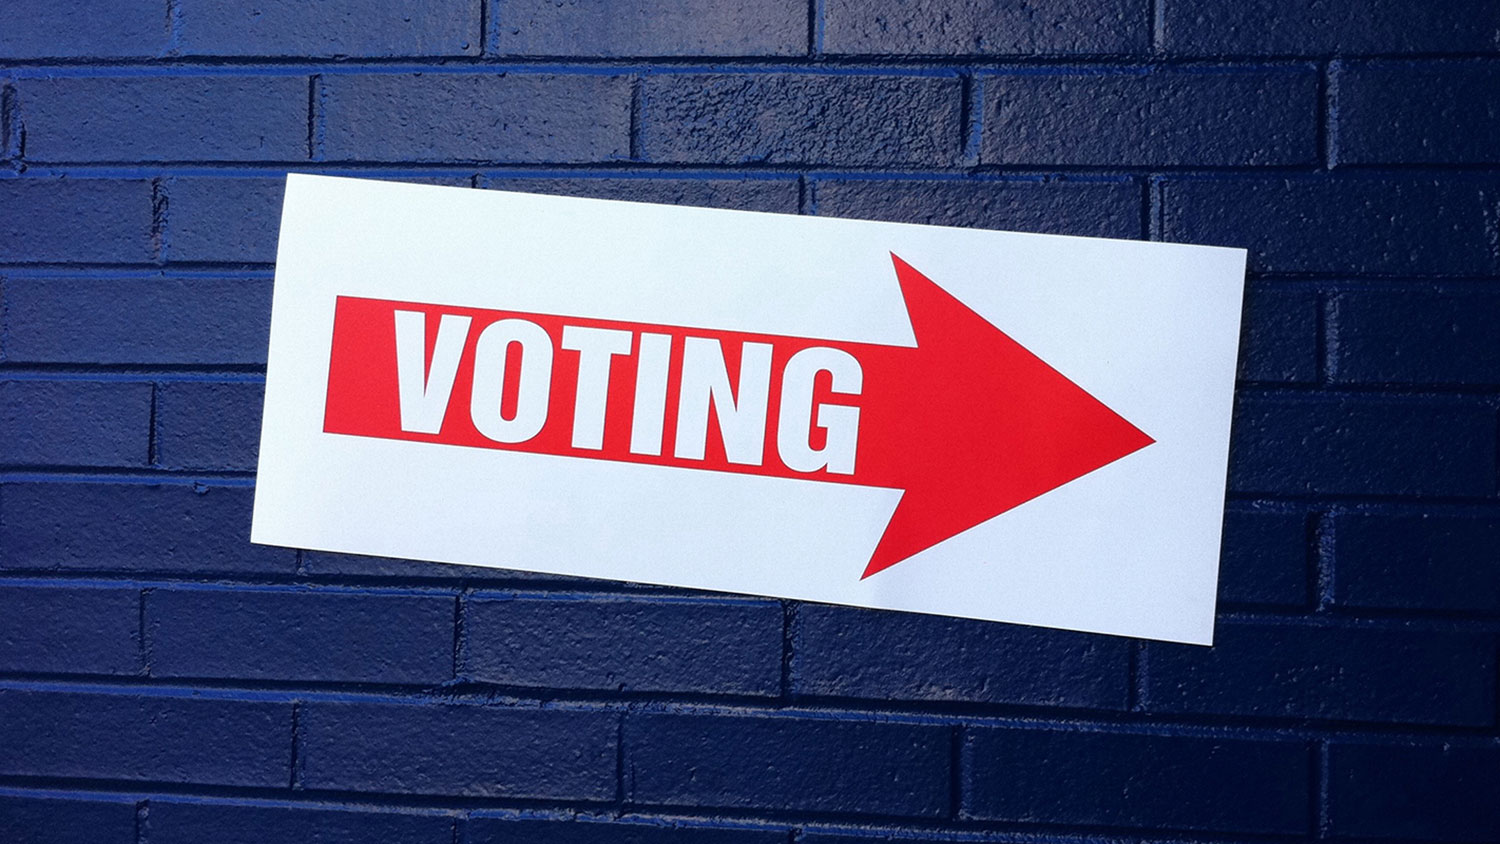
969	423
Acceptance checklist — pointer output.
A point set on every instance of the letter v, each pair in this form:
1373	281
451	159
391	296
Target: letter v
424	393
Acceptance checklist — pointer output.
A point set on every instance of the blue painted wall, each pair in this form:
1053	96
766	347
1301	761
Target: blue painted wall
163	681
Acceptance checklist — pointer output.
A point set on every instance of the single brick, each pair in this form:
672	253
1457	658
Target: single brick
1090	209
777	195
165	118
800	118
176	822
100	29
147	320
1157	118
282	634
1429	793
69	629
430	749
208	425
842	652
520	117
132	527
599	28
493	830
1411	676
1424	561
638	645
75	423
29	819
971	27
1411	112
1264	558
1279	340
1364	225
67	220
373	28
1323	27
1057	777
208	741
1417	336
1362	446
799	764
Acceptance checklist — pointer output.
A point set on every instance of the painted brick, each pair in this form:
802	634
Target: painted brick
132	527
1091	209
429	749
44	29
1417	336
1424	561
1322	27
207	741
208	425
280	634
967	27
1161	118
854	653
489	830
1279	342
1136	780
651	28
1420	792
787	763
1364	225
1357	446
69	629
325	563
145	320
75	423
637	645
520	117
778	195
1407	675
27	819
800	118
340	28
1413	112
173	822
93	221
165	118
1265	558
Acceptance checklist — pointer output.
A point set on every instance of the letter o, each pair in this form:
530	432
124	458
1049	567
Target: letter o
532	393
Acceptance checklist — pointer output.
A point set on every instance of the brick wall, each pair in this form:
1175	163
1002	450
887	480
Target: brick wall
162	680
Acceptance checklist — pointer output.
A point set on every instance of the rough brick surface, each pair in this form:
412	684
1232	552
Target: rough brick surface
1090	209
1421	561
1279	334
92	221
487	830
208	425
69	629
1421	792
75	423
774	195
1320	27
651	28
101	29
174	822
338	28
1418	112
971	27
1417	336
1265	558
29	819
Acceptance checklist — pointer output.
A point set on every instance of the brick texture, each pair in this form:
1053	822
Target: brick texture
86	221
75	423
967	27
1421	792
1418	112
651	28
334	29
208	425
1091	209
1422	561
69	629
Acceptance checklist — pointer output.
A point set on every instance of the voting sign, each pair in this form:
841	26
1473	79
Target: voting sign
991	425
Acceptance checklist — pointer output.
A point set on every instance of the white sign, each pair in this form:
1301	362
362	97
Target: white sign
1012	427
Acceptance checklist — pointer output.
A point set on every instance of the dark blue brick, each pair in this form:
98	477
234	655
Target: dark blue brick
520	117
44	29
1045	776
1322	27
1280	335
800	118
964	27
325	563
76	220
208	425
799	764
651	28
1418	792
176	822
207	741
27	819
165	118
132	527
70	629
430	749
1414	112
1406	675
625	644
75	423
1265	558
777	195
1424	561
844	652
1091	209
1360	446
147	320
281	634
489	830
1160	118
374	28
1413	225
1417	336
